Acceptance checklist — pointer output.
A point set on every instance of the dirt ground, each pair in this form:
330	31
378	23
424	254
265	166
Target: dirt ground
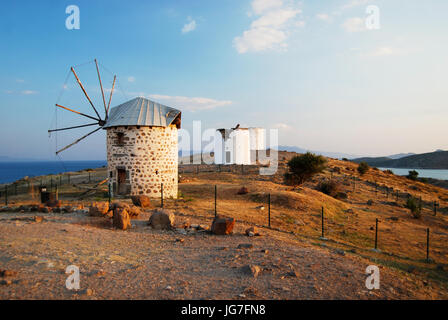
294	263
147	264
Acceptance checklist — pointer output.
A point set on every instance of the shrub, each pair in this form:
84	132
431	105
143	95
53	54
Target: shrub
345	159
413	205
363	167
304	167
388	171
329	187
336	170
413	175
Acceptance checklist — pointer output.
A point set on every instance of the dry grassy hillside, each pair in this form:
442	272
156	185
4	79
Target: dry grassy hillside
204	266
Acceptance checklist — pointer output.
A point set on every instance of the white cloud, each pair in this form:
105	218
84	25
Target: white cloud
190	26
131	79
29	92
20	81
260	6
271	29
355	3
385	51
354	25
187	103
324	17
283	126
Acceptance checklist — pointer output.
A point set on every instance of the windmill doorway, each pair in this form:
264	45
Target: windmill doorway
121	180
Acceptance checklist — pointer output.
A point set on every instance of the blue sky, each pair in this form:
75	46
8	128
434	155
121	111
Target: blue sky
309	68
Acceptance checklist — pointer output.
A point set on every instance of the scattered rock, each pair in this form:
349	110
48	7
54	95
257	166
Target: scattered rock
180	240
340	252
68	209
88	292
98	209
100	273
245	246
265	251
250	291
121	219
141	201
5	282
242	191
252	231
393	218
162	219
184	225
38	219
222	226
8	273
293	273
260	208
132	210
253	270
181	231
370	202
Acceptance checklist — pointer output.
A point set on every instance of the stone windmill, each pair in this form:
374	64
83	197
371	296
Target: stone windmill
142	144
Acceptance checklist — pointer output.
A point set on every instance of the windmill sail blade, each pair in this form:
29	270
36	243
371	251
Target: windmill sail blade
77	112
110	98
85	93
73	143
101	85
81	126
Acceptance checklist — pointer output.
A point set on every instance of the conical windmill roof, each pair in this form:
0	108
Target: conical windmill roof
141	112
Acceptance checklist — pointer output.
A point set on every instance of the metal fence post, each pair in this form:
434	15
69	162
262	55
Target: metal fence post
161	195
108	191
68	178
269	210
376	234
323	233
427	245
216	191
6	195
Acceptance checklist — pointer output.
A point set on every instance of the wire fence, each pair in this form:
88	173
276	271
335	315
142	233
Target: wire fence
51	182
325	226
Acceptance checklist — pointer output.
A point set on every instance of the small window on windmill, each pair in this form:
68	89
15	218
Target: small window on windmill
120	138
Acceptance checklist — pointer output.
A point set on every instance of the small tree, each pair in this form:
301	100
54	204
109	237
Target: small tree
363	167
304	167
413	175
415	207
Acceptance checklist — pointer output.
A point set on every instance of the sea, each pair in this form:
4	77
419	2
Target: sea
422	173
13	171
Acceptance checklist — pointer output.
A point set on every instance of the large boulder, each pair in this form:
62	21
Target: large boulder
121	219
222	225
162	219
98	209
141	201
132	210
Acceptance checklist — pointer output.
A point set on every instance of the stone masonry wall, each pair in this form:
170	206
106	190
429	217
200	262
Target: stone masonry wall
150	157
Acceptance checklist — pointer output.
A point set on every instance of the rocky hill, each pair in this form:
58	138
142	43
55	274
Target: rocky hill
432	160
